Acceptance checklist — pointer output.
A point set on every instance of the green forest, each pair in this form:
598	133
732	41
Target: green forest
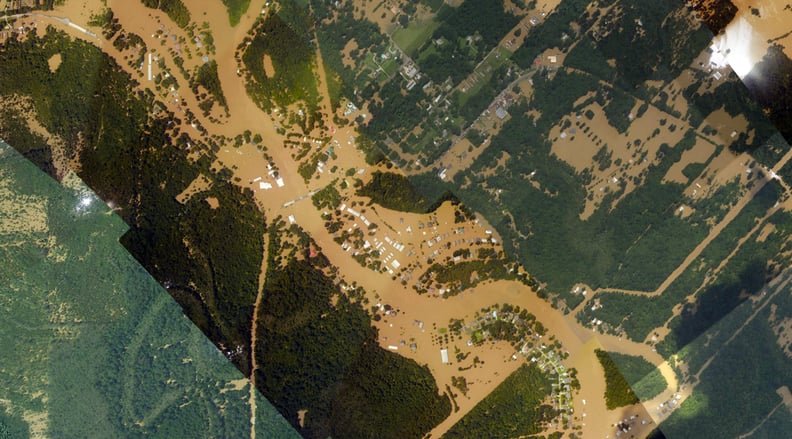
293	59
207	78
738	388
746	271
485	21
209	257
235	10
175	10
118	340
617	245
394	191
644	378
325	358
618	392
513	409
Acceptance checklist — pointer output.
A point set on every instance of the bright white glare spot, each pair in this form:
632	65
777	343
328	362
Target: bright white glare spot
739	47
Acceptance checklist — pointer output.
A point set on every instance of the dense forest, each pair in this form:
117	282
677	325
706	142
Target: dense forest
33	146
638	316
394	191
644	377
561	249
175	10
618	392
209	258
738	389
318	352
206	77
235	10
313	354
291	53
134	366
513	409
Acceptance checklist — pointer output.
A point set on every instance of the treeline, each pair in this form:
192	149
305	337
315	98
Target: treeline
317	351
462	275
513	409
618	392
175	10
644	377
395	191
207	78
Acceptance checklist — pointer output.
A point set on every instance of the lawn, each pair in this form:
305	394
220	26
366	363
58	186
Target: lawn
409	39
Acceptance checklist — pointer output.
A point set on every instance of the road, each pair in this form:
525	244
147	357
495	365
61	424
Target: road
253	331
714	232
300	198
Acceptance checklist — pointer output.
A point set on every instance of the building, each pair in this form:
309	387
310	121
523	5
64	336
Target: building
444	356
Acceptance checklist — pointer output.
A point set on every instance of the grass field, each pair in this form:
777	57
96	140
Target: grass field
495	59
409	39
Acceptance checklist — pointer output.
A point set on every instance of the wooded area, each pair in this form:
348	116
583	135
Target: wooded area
513	409
318	352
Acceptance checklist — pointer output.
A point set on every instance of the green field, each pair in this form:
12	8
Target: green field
409	39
